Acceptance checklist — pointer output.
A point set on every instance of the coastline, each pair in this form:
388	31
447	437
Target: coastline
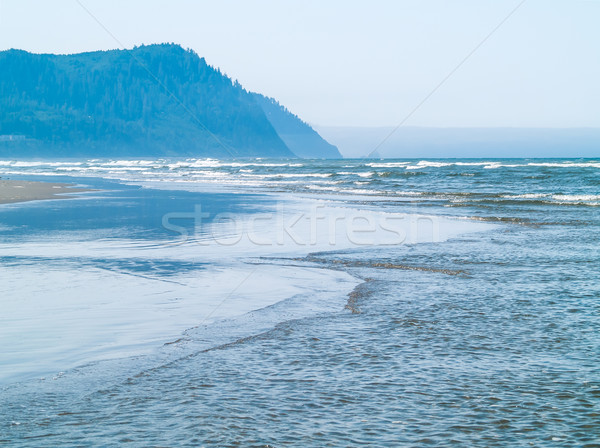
131	294
14	191
156	283
114	317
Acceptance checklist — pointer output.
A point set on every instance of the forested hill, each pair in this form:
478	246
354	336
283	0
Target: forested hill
303	140
152	100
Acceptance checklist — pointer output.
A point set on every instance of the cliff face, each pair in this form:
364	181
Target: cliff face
152	100
302	139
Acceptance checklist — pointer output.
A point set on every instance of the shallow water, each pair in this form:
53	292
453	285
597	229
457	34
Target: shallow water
484	339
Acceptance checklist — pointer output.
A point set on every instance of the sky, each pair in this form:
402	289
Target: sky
359	63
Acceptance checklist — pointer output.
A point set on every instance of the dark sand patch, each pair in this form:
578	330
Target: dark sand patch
22	191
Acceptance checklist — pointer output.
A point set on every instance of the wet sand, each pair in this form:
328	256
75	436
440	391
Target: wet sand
22	191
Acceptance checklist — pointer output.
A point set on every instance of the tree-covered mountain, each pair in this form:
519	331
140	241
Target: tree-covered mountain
303	140
152	100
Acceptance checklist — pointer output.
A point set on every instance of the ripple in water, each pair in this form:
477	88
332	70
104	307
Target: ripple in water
487	340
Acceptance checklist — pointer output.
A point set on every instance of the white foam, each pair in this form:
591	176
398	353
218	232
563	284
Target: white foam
590	199
428	164
576	197
384	165
567	164
525	196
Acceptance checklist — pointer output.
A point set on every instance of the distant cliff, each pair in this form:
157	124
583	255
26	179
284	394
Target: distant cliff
152	100
303	140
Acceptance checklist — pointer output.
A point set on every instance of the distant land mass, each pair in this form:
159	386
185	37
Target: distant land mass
154	100
303	140
463	142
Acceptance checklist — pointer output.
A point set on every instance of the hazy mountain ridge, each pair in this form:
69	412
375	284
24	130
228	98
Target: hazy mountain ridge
302	139
152	100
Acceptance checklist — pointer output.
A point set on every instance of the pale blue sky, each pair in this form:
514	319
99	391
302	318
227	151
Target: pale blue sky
338	63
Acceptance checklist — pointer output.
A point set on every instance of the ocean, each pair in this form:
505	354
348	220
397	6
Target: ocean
270	303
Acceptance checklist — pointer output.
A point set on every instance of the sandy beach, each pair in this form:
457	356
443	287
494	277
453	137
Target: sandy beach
346	302
22	191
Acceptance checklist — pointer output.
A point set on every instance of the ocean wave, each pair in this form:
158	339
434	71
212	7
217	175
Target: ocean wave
130	163
385	165
566	164
356	173
525	196
428	164
300	175
576	197
563	198
386	179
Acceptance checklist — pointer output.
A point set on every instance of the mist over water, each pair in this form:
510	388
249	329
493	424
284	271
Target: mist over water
487	336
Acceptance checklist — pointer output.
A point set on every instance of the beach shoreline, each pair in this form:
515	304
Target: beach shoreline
128	301
350	286
15	191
